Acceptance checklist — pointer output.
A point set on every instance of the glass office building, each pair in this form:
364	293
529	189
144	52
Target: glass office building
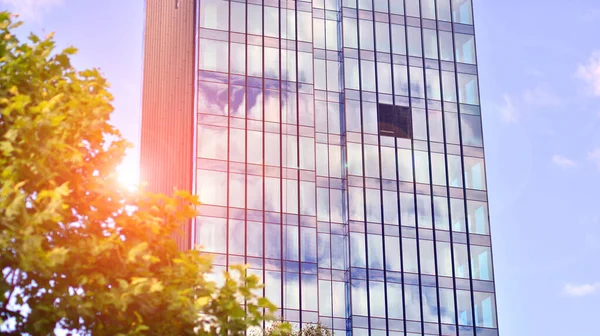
336	146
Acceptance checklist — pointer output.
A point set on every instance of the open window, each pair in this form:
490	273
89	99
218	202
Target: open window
395	121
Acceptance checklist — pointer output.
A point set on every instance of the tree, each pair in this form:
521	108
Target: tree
77	251
308	330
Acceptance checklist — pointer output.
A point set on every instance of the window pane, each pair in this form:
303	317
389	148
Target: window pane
413	303
405	169
214	14
472	133
382	32
417	83
409	255
455	171
422	167
468	89
375	251
398	39
212	234
457	208
359	298
424	211
397	7
210	187
446	50
212	142
238	17
392	254
212	54
485	310
433	84
308	244
255	25
304	26
465	48
412	8
368	75
333	35
381	6
366	34
447	312
395	308
443	10
272	16
350	37
474	173
427	257
461	11
441	213
414	41
461	261
449	86
430	43
444	259
438	168
384	77
373	206
430	306
465	313
481	263
478	217
377	299
400	80
407	209
319	32
357	248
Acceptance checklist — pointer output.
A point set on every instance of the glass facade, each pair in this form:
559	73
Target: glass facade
347	216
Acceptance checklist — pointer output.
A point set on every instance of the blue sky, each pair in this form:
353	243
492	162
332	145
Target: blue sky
539	64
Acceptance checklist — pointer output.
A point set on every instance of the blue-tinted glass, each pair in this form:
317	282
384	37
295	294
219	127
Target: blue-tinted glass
211	234
430	305
375	246
485	310
481	262
357	249
478	217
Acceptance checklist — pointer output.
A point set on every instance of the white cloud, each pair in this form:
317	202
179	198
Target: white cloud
594	156
581	290
507	110
539	97
590	72
563	162
31	9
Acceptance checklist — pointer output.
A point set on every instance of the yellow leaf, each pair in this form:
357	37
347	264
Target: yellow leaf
156	287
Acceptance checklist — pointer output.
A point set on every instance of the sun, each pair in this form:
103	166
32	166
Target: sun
129	175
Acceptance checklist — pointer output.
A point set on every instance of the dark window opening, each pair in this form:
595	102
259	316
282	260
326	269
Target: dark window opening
394	121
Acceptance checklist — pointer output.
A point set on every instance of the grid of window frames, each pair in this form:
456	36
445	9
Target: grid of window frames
368	232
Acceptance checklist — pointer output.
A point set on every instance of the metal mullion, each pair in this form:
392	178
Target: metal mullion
297	94
484	162
196	22
316	177
398	206
228	185
281	176
264	178
448	198
412	142
364	190
437	285
380	169
348	290
462	159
